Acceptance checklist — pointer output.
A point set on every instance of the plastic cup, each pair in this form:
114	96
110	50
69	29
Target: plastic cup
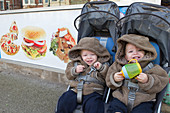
130	71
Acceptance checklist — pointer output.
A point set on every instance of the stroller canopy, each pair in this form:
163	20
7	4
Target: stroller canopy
98	19
149	20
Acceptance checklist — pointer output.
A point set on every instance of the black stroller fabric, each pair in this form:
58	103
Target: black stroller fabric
150	20
98	18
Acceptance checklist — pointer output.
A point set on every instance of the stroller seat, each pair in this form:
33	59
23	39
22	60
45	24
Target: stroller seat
159	96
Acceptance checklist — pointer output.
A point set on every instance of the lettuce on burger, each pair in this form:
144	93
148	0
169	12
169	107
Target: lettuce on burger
34	43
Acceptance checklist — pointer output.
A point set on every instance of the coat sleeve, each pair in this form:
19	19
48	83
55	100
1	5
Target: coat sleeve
103	70
158	79
109	77
70	71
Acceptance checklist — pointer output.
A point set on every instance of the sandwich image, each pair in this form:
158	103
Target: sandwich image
34	42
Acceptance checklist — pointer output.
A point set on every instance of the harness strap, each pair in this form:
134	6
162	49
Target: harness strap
134	87
90	79
79	109
83	79
149	66
80	91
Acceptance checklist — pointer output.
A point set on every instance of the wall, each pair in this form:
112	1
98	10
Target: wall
28	70
50	19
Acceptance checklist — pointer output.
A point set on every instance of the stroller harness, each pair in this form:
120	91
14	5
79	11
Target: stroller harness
133	88
86	79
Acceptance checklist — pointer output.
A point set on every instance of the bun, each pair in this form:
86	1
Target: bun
33	33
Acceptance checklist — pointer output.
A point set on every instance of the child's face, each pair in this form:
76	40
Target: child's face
133	52
88	57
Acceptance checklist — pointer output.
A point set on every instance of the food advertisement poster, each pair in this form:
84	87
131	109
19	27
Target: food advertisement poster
42	38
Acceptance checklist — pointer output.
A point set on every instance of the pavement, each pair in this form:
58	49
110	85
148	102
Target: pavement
29	94
25	94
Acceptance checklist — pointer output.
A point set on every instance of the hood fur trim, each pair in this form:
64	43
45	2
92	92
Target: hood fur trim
140	42
91	44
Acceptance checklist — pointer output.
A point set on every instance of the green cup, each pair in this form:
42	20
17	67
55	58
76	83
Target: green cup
131	70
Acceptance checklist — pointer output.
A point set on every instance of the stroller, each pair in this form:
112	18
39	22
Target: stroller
101	20
152	21
98	19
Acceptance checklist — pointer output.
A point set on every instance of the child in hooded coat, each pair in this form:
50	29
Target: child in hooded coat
150	82
86	54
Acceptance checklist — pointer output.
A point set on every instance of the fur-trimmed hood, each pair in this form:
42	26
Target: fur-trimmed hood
140	42
91	44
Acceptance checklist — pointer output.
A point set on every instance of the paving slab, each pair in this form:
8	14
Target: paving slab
25	94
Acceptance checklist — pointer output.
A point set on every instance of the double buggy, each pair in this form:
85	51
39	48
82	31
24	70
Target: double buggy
101	20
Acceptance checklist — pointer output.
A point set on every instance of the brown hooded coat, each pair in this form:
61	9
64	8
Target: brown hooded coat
93	45
157	77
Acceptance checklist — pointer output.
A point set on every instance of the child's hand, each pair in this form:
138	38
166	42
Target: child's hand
142	77
97	65
79	68
118	76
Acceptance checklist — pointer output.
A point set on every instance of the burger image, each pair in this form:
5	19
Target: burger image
34	43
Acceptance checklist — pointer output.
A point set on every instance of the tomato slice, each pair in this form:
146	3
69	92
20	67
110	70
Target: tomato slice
28	40
11	48
28	44
14	27
67	37
3	45
9	41
72	41
5	35
39	43
43	49
12	51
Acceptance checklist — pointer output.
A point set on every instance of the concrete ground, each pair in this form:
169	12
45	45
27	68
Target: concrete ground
31	94
25	94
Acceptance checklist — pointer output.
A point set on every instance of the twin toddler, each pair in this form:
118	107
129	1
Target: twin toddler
89	71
